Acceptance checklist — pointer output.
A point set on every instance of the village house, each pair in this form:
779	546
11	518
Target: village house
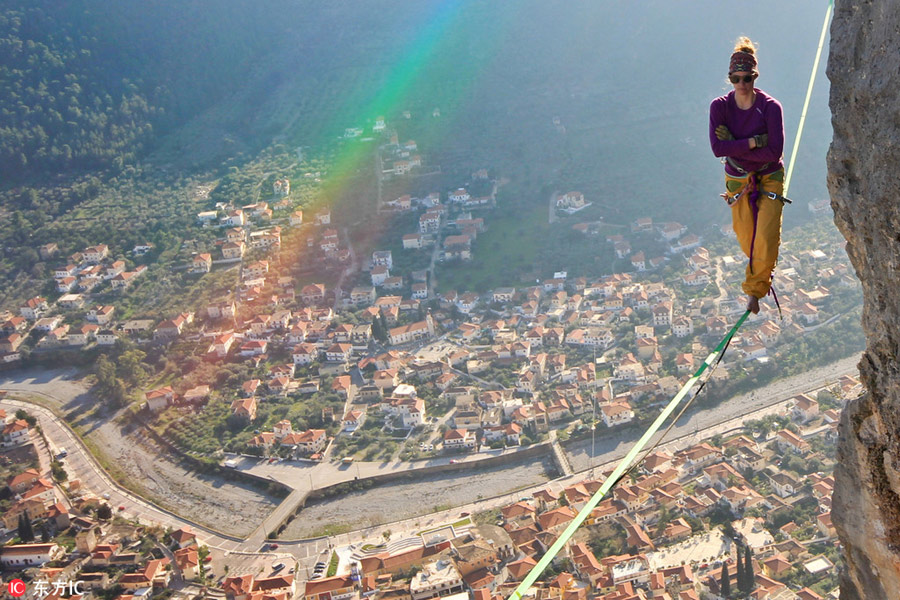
617	413
338	353
101	315
11	342
671	231
662	314
430	222
188	562
48	251
460	439
413	241
352	420
310	441
412	332
682	326
382	258
34	308
154	574
570	200
82	335
159	398
123	280
304	354
70	301
17	557
66	284
172	328
630	369
255	270
458	196
95	254
265	239
244	408
788	441
15	433
202	263
363	295
233	250
805	408
378	275
313	293
457	247
106	337
114	269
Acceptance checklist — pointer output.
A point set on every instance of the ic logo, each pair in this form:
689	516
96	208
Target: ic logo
16	588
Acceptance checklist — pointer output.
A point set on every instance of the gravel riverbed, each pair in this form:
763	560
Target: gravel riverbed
402	500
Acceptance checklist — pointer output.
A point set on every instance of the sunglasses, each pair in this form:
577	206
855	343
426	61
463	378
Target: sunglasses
738	78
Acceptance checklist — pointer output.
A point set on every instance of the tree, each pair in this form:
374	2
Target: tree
740	570
749	577
104	512
108	384
28	418
26	532
725	583
378	331
131	368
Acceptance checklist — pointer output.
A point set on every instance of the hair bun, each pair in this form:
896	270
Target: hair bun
745	44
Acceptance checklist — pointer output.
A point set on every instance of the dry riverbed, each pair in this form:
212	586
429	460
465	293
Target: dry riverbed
401	500
149	470
230	507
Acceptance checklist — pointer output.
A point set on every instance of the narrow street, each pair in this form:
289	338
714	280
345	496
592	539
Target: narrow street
349	270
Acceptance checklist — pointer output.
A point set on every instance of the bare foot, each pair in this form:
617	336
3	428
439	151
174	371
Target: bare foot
753	304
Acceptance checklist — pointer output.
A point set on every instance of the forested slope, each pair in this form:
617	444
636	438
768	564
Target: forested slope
91	85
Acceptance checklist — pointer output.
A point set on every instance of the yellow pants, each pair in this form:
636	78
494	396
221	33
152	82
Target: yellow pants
768	228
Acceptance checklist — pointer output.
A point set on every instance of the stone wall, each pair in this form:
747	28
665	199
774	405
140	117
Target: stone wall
864	182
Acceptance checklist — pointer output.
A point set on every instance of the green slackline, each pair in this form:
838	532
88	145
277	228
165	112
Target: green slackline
809	89
623	466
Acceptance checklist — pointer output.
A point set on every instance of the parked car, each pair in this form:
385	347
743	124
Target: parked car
278	566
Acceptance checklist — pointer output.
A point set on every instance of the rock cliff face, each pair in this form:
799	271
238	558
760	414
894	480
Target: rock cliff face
864	182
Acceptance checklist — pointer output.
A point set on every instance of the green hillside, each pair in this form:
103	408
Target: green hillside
113	113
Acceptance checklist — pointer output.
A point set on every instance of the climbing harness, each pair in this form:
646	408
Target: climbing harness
730	200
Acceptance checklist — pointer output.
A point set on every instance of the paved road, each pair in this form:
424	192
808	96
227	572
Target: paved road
705	423
551	207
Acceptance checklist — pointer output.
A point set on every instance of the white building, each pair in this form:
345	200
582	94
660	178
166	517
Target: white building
437	579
